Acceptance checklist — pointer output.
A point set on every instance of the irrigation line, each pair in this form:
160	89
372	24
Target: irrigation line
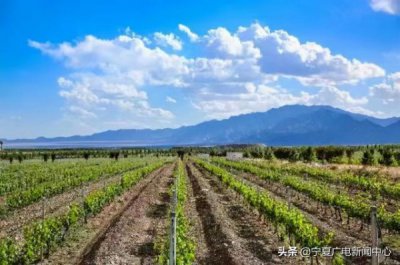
172	243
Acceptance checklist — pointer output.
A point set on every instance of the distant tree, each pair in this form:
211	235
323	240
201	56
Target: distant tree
86	155
349	154
53	157
309	155
181	154
397	157
388	158
269	154
257	152
283	153
20	158
369	157
45	157
294	155
11	159
213	152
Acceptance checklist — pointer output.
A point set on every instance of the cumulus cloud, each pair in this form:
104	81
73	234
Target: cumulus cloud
256	47
170	100
166	40
309	62
263	97
388	91
81	112
222	43
192	36
391	7
232	73
125	54
98	93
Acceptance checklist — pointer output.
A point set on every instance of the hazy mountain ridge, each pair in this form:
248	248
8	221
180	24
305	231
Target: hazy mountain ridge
287	125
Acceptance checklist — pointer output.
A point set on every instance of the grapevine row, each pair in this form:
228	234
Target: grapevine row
278	213
78	177
370	184
24	176
185	245
42	237
352	206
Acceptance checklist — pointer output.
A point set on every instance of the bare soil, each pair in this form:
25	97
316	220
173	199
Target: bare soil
347	234
131	239
86	243
12	224
234	233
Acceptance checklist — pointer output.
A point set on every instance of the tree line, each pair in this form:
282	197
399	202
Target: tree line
51	155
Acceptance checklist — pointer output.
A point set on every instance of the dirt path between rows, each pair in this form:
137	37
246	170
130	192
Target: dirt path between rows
234	233
389	172
345	236
131	239
196	198
11	226
391	204
84	239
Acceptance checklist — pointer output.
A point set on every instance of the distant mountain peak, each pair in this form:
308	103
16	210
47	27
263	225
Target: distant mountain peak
285	125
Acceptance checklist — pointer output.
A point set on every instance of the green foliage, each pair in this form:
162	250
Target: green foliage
37	180
96	200
9	252
75	213
40	238
369	158
309	155
319	191
279	213
185	245
388	158
45	157
338	259
269	154
294	155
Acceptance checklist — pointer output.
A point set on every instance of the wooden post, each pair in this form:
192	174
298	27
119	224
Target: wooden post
374	235
43	207
83	203
43	215
289	197
172	244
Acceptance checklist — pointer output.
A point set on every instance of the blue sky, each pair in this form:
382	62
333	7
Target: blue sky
78	67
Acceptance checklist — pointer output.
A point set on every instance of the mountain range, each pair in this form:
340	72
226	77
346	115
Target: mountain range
285	126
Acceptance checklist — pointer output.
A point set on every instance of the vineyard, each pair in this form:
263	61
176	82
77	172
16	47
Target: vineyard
177	207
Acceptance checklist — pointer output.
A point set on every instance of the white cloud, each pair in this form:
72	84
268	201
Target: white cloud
192	36
256	48
170	100
388	91
124	54
94	93
264	97
387	6
232	73
166	40
222	43
81	112
309	62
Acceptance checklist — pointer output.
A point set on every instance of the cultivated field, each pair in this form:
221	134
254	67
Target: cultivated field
119	210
